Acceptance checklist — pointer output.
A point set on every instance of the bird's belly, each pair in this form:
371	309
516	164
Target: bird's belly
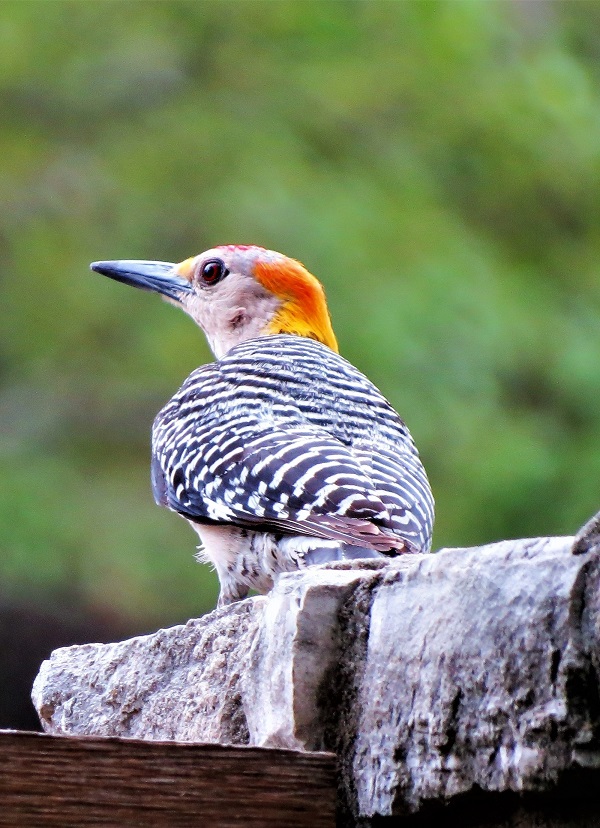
247	560
243	559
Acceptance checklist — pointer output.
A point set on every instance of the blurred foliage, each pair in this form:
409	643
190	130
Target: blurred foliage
436	164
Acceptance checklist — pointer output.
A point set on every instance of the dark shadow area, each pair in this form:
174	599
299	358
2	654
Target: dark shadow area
574	803
28	634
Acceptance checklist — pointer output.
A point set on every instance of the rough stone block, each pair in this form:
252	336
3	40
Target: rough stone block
430	676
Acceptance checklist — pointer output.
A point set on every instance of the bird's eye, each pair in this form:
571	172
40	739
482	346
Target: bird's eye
213	271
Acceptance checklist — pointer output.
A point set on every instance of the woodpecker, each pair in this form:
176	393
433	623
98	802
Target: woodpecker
280	454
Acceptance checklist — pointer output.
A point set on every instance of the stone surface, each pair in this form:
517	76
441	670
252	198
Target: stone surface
182	683
430	676
470	675
298	644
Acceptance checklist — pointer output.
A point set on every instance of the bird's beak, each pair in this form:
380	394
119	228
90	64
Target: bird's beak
160	277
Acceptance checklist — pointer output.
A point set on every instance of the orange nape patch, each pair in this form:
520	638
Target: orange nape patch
304	310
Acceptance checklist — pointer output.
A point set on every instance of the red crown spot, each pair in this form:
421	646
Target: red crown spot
233	247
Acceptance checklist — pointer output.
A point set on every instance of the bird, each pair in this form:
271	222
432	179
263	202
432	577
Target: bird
280	453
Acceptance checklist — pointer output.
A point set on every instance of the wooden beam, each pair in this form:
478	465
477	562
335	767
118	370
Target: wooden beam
74	781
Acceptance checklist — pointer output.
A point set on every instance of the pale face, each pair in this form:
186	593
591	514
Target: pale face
217	289
226	300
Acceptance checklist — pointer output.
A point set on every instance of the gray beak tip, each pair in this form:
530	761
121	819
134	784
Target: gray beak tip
158	277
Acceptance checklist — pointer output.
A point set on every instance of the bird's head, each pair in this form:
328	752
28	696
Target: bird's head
235	293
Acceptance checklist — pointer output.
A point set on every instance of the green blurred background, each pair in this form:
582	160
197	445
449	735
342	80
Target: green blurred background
435	164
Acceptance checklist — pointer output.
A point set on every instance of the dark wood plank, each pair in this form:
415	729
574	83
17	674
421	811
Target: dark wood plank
67	782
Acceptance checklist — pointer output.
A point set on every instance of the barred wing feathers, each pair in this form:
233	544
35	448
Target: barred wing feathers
284	435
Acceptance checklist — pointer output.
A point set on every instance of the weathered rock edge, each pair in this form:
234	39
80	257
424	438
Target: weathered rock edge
428	675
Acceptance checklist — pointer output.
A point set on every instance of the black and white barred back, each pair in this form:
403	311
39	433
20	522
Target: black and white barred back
284	436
